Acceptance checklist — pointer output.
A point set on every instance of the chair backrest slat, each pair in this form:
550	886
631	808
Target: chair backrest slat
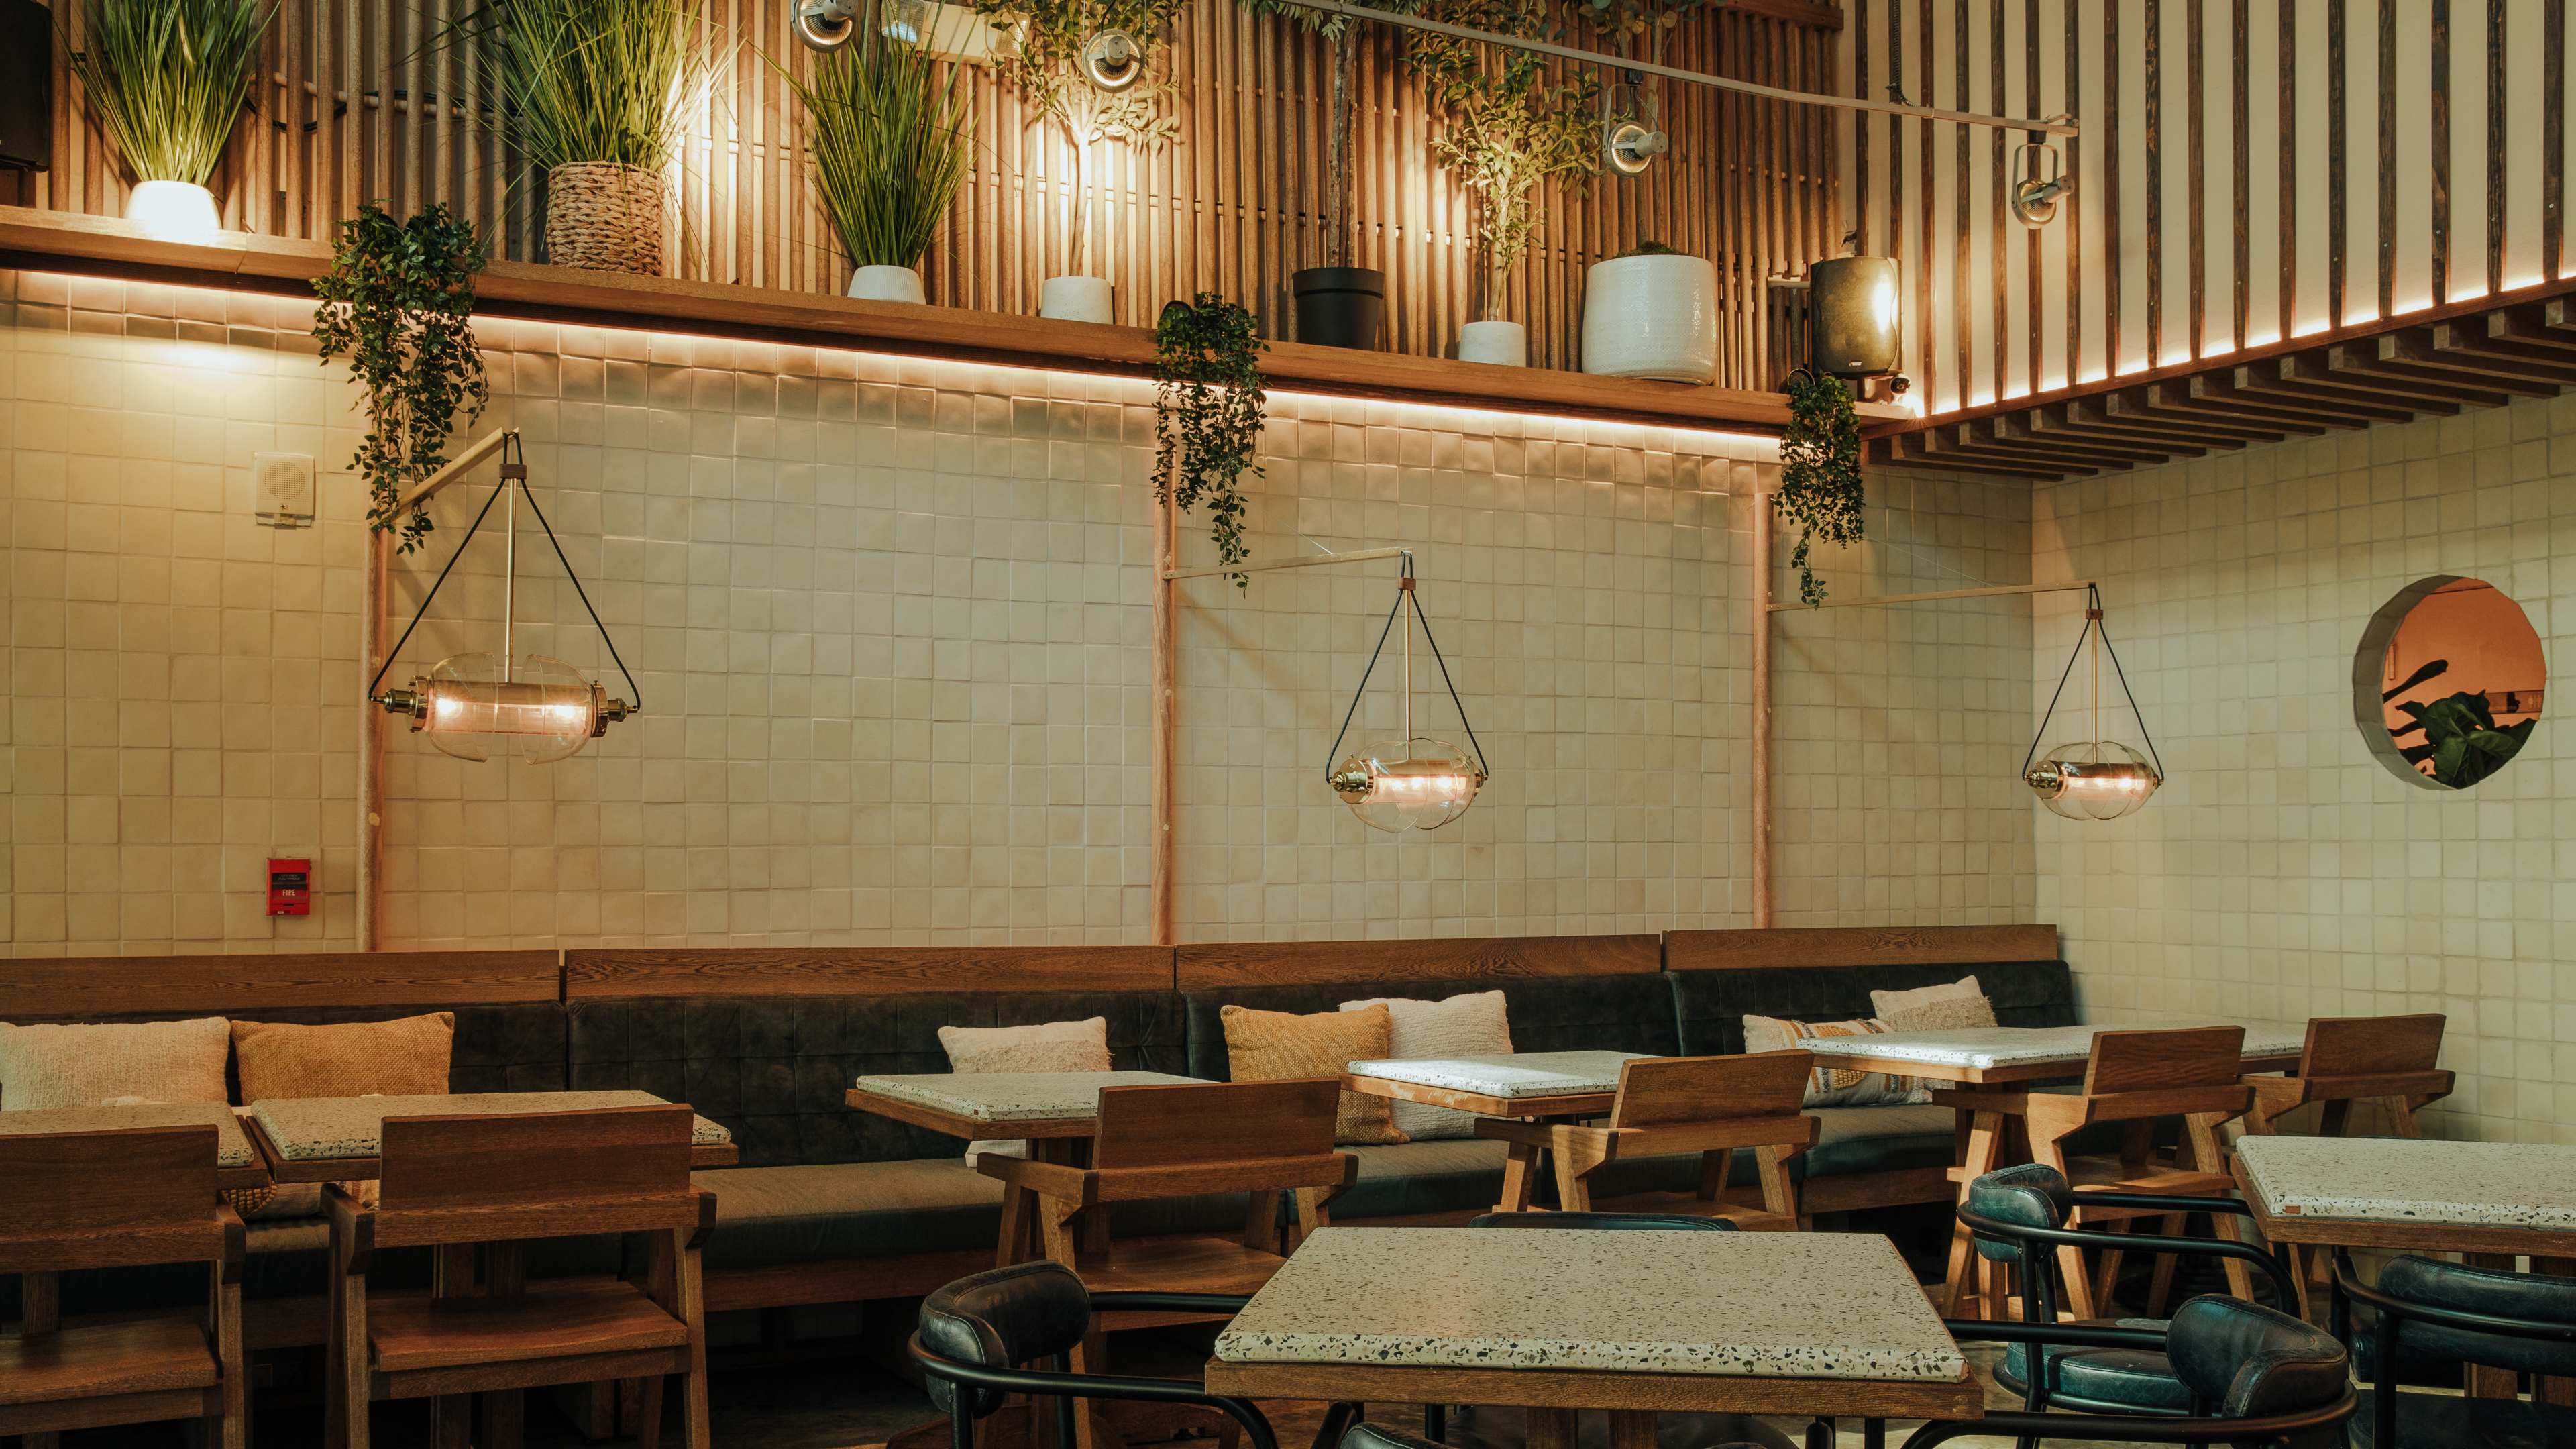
1171	1126
2148	1061
2372	1046
103	1199
1656	1090
593	1171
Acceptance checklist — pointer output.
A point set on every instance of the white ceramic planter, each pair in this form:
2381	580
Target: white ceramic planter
173	211
887	284
1074	299
1652	316
1506	343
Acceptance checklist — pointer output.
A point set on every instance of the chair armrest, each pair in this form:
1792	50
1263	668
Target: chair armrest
1050	1384
2169	1202
236	1248
2147	1243
1149	1302
2054	1335
2133	1428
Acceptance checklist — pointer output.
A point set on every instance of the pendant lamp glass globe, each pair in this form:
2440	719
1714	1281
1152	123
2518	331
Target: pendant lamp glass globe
2093	780
1414	784
543	710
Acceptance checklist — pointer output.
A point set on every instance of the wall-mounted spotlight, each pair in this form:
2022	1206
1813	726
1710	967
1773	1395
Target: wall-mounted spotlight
1113	60
826	24
2039	182
1632	133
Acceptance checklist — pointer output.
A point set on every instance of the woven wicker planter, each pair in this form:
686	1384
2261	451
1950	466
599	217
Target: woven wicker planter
604	217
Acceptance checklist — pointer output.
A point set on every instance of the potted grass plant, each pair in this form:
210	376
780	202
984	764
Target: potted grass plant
888	131
595	93
168	79
1509	123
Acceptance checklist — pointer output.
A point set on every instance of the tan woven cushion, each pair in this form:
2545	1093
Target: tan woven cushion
1831	1084
85	1065
401	1058
1276	1046
1958	1006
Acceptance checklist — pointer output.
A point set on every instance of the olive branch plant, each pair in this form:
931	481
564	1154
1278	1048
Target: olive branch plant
1511	121
1039	54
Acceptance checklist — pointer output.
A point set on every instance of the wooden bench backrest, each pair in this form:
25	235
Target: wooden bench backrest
41	988
502	1176
109	1199
2372	1046
1218	966
862	970
1231	1122
1658	1090
1857	946
2165	1060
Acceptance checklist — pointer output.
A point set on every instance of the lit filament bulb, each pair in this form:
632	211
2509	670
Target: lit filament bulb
1420	784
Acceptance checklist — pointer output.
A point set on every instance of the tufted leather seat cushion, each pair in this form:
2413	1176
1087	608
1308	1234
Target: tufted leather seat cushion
1713	1004
2248	1362
2104	1380
774	1068
999	1318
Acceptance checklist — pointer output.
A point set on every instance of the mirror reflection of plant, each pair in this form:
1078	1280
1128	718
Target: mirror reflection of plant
2462	742
888	129
1820	480
1209	407
1039	54
168	78
397	303
1511	120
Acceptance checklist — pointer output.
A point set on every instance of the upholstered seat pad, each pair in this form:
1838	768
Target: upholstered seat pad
2122	1378
2458	1423
821	1211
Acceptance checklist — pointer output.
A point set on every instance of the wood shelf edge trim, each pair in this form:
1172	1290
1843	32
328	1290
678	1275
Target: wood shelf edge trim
40	240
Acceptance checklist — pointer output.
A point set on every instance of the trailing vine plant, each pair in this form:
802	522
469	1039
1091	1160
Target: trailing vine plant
1208	411
1509	124
397	303
1820	482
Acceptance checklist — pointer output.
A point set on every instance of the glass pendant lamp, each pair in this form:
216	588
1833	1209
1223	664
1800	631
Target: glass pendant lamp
2094	778
476	705
1411	782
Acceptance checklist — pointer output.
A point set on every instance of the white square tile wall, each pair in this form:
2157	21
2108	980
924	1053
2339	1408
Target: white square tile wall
892	625
2282	872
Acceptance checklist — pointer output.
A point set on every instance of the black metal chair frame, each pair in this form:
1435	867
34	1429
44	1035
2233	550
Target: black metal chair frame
1064	1386
2039	1288
2394	1312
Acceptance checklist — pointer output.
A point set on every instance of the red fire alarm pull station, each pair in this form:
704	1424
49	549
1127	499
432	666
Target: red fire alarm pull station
290	887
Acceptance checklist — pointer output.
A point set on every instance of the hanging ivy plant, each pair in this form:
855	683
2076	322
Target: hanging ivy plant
397	303
1820	483
1208	411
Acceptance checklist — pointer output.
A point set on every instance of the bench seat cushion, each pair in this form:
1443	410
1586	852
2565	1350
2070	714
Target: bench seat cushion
819	1212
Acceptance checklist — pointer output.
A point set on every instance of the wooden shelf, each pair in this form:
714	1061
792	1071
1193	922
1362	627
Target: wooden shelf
60	242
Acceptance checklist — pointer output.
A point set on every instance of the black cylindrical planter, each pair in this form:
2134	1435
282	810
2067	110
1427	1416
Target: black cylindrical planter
1340	306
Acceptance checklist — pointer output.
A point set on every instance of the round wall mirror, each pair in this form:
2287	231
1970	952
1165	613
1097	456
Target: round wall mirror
2449	682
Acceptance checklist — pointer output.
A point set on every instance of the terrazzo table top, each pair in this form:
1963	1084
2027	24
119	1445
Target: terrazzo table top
304	1129
2459	1184
1763	1305
998	1099
232	1146
2018	1046
1525	1074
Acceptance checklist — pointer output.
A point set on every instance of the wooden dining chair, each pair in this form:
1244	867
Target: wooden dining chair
2382	1062
1711	1106
2137	1080
452	1184
128	1197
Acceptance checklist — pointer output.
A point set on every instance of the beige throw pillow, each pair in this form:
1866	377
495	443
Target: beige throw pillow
1278	1046
406	1057
1959	1006
1831	1084
1473	1025
1054	1046
84	1065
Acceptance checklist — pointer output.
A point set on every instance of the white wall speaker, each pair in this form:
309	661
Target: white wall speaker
282	487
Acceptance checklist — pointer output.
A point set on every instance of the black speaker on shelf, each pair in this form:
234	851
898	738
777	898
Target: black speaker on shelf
26	85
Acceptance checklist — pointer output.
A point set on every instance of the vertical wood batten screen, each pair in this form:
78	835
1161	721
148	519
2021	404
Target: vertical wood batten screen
353	107
2248	169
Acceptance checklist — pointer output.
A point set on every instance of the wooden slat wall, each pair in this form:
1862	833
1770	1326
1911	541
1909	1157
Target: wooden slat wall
2442	163
356	108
